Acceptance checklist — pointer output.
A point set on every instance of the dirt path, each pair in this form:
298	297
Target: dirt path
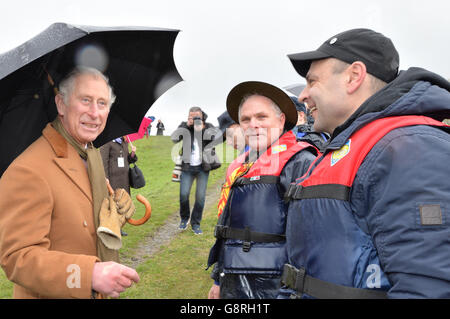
164	235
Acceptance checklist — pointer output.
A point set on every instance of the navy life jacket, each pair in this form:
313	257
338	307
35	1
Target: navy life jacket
253	223
330	254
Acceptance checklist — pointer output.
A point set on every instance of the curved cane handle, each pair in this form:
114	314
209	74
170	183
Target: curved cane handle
140	198
148	212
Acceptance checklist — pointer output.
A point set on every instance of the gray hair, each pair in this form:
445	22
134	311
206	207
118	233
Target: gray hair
67	85
274	106
195	109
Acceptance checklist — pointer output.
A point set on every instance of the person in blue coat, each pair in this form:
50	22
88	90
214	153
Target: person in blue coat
371	218
304	130
232	133
249	252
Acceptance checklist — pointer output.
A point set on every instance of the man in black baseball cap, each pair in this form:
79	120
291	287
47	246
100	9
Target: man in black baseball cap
362	60
368	219
375	50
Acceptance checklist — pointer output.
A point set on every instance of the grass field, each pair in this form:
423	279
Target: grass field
178	269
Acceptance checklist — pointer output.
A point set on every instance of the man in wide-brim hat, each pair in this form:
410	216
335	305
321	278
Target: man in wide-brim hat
250	245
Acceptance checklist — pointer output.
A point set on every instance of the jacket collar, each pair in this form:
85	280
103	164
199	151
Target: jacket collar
56	141
68	160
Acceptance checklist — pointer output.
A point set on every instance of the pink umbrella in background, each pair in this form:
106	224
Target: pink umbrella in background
142	129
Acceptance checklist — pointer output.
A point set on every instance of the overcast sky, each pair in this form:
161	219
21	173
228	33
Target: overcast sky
222	43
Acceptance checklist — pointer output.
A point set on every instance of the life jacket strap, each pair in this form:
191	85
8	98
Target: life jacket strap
301	283
332	191
246	235
263	179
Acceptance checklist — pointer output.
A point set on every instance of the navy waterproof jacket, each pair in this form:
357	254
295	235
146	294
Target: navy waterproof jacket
255	273
407	169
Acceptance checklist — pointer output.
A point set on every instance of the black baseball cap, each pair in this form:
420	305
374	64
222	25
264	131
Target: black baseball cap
375	50
270	91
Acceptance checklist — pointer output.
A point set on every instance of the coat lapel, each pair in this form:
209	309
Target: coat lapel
69	161
77	173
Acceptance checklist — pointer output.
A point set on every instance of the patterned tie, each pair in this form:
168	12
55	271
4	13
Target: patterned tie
224	193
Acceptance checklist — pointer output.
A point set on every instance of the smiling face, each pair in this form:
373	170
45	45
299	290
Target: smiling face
325	96
86	111
261	124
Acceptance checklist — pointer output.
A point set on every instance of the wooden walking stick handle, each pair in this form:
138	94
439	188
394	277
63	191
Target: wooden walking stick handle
140	198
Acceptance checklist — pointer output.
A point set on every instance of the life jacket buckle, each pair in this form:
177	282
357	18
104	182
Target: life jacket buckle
247	241
295	279
218	231
295	295
290	191
297	192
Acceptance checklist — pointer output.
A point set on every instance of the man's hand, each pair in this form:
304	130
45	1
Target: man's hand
115	211
111	278
214	292
125	206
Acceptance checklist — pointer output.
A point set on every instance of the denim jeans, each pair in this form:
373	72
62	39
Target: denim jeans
186	180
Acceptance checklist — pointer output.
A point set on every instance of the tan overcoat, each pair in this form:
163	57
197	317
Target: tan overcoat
47	233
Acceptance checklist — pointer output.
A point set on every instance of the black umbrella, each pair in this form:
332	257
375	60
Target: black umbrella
138	61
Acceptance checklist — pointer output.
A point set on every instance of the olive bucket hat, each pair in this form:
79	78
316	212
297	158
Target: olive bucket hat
277	95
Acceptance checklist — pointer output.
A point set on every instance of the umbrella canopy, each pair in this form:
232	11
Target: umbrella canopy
138	61
142	129
295	89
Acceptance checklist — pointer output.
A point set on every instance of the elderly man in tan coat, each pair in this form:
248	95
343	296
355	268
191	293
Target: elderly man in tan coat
54	197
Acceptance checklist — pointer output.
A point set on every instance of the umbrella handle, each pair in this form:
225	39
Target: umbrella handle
129	141
143	200
148	212
52	83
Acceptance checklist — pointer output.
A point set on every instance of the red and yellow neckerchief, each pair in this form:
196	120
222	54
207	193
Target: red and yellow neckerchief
225	192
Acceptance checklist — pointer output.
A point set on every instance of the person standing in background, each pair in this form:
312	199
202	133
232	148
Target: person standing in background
304	130
232	132
149	129
160	128
116	161
196	134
